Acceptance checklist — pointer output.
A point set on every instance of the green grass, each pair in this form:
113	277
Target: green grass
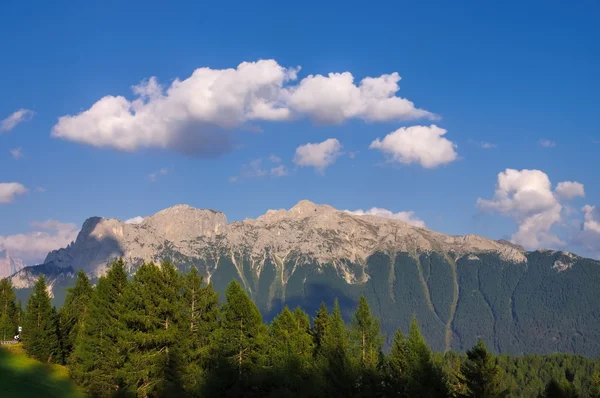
21	376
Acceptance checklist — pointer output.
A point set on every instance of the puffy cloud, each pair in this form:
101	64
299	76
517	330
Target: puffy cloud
547	143
335	98
33	246
417	144
569	190
17	153
319	155
196	115
8	191
591	220
588	237
527	197
406	216
135	220
256	168
18	117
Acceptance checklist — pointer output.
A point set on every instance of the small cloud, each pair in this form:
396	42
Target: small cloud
352	155
9	190
424	145
18	117
40	189
278	171
135	220
318	155
569	190
547	143
154	176
17	153
275	159
484	144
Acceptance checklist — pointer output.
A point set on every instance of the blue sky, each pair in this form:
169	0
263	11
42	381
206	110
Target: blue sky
510	75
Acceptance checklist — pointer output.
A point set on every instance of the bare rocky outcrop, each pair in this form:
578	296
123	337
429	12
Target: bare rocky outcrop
320	233
9	264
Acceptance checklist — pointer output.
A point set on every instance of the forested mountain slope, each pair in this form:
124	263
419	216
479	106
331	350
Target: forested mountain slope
460	288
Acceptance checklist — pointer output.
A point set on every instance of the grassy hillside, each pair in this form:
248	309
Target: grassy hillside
21	376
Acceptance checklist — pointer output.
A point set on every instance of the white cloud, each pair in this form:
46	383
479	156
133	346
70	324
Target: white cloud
8	191
17	153
589	236
335	98
527	197
195	115
406	216
569	190
278	171
547	143
33	246
154	176
418	144
318	155
22	115
484	144
135	220
256	168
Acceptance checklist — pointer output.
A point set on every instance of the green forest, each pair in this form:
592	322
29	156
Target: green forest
162	333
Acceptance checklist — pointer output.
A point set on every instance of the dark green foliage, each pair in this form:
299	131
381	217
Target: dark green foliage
480	375
368	343
9	312
555	389
40	326
97	357
73	312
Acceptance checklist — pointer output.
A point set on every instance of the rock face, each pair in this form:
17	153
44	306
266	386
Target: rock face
459	287
9	264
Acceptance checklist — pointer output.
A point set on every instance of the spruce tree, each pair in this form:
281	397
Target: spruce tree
199	322
339	372
153	315
595	384
40	334
74	311
97	355
480	374
9	313
240	343
424	378
320	327
366	336
397	367
555	389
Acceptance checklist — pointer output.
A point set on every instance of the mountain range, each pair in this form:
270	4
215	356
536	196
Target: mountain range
460	288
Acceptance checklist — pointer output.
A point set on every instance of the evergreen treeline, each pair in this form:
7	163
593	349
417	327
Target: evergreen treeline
163	334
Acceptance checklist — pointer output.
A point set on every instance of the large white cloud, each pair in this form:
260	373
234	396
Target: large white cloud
16	118
406	216
319	155
196	115
528	198
9	190
32	247
424	145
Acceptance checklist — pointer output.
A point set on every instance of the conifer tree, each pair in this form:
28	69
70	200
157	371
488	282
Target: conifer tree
320	327
153	317
555	389
97	356
9	313
397	367
40	334
424	378
595	384
241	330
367	338
74	311
480	374
199	322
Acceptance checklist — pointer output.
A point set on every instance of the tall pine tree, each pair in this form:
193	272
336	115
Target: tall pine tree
367	338
9	313
396	377
97	355
40	332
73	312
480	374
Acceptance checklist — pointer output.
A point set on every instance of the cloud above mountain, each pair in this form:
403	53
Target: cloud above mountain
32	247
406	216
318	155
423	145
528	198
197	115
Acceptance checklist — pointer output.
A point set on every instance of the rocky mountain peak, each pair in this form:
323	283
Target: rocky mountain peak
301	210
182	222
9	264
